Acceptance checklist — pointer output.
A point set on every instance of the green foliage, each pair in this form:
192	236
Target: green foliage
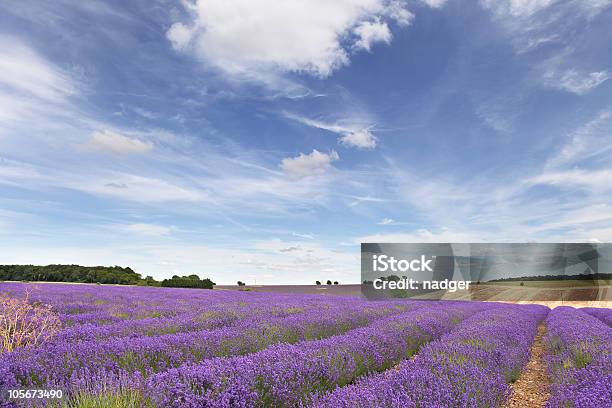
98	275
111	399
70	273
191	281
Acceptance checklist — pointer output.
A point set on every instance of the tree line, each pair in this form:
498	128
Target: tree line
96	274
191	281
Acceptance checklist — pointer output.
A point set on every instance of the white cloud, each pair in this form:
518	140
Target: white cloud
249	36
304	165
180	35
24	72
362	139
353	132
386	221
112	142
371	32
590	140
434	3
397	11
32	89
137	188
575	82
594	215
516	8
356	200
304	236
598	180
532	23
152	230
421	235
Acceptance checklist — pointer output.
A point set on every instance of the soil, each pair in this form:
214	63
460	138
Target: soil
531	389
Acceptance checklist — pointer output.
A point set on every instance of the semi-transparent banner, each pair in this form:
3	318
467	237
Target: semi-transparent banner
506	272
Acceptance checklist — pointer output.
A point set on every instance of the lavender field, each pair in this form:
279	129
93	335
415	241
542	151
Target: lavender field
112	346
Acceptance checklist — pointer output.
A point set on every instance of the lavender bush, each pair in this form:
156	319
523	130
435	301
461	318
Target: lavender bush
468	367
161	347
605	315
579	359
286	375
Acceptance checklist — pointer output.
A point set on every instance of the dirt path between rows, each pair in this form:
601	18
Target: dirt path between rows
531	390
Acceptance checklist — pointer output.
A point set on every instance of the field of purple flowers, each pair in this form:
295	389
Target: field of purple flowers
112	346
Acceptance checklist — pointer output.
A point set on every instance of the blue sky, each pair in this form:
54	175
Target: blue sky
263	141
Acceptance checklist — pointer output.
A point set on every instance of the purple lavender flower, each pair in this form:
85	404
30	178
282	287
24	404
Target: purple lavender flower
579	359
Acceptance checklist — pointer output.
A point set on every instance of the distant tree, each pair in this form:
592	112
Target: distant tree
329	282
149	281
191	281
335	282
241	283
522	283
318	283
70	273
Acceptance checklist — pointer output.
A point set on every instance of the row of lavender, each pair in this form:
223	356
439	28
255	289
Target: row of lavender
101	307
605	315
408	330
225	349
90	313
288	375
579	357
244	323
469	367
61	364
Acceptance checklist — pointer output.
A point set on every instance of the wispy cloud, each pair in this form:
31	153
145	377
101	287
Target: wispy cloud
112	142
591	140
420	235
352	132
153	230
31	87
386	221
576	82
305	236
25	72
598	180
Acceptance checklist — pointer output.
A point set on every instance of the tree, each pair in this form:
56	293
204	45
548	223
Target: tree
329	282
318	283
71	273
335	282
149	281
191	281
241	283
